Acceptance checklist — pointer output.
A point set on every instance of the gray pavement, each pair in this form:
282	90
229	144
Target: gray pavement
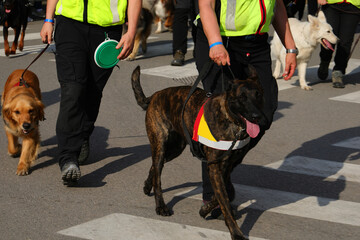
301	181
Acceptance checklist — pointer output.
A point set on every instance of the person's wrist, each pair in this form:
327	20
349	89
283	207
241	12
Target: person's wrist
294	50
49	20
214	44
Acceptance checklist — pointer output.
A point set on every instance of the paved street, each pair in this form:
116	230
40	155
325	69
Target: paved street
301	181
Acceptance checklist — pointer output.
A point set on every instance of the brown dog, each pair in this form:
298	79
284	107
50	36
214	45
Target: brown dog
22	110
232	115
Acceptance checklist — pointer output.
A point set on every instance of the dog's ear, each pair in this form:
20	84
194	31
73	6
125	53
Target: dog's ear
252	72
311	19
40	110
321	16
6	112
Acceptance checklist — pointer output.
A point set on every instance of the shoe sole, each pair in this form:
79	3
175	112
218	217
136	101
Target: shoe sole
70	174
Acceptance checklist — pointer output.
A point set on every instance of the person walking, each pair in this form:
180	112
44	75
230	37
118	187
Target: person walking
81	27
235	33
343	16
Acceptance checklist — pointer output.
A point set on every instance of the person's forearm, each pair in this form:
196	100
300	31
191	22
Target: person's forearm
209	21
281	25
50	8
134	8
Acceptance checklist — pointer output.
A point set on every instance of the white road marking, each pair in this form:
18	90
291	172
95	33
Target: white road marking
351	97
353	143
294	204
317	167
188	70
29	50
120	226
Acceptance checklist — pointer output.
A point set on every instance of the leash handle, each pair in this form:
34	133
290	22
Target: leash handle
22	81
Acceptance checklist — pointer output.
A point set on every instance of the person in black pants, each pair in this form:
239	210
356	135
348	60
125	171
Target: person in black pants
344	18
80	29
241	48
184	15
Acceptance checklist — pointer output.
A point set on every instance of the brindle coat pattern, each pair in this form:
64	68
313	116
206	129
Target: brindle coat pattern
223	113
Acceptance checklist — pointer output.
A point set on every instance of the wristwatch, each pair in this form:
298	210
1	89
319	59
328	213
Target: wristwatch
296	51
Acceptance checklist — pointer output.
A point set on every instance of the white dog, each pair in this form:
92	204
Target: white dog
307	36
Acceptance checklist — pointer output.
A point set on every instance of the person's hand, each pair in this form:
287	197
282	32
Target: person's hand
127	44
219	55
46	32
290	65
322	2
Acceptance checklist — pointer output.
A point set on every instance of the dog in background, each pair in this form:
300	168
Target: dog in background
163	14
14	14
143	31
22	110
234	115
307	36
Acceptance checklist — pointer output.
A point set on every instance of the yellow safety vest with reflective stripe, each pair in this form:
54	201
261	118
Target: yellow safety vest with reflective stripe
245	17
100	12
356	3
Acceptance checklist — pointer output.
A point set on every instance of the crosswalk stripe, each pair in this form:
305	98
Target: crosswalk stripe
351	97
317	167
353	143
29	50
294	204
120	226
28	36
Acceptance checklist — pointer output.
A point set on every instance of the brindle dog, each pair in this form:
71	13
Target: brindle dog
234	113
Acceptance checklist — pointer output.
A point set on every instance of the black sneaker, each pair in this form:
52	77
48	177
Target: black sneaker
84	152
323	70
70	173
179	59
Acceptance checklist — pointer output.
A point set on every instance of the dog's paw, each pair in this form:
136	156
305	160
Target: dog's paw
147	189
306	87
7	52
163	211
130	58
15	152
22	169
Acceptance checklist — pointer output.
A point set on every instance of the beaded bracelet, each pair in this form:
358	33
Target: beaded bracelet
49	20
215	43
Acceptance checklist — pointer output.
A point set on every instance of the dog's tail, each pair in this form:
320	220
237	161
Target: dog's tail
141	99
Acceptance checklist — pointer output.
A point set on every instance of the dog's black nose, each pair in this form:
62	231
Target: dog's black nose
26	126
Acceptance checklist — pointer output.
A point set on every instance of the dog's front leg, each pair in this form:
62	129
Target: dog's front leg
15	42
30	146
302	74
22	37
217	182
6	42
14	148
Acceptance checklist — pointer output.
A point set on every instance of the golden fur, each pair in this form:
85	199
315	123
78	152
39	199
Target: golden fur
22	110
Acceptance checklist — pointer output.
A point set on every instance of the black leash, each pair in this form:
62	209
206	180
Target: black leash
22	81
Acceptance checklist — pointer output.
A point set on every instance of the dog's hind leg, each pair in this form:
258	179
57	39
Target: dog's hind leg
221	195
302	73
22	37
277	69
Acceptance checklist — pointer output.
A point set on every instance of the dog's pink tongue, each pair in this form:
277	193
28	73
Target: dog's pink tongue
328	44
7	10
252	129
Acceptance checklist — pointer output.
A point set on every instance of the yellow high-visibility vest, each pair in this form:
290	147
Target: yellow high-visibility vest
100	12
245	17
356	3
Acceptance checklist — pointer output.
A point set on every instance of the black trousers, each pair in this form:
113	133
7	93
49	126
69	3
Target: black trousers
243	51
184	12
81	82
344	19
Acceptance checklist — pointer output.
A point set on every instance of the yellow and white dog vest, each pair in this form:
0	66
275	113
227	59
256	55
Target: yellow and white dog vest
202	134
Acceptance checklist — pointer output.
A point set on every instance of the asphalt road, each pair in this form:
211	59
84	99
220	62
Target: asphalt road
300	182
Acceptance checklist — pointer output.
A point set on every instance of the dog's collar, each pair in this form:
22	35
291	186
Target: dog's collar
202	134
